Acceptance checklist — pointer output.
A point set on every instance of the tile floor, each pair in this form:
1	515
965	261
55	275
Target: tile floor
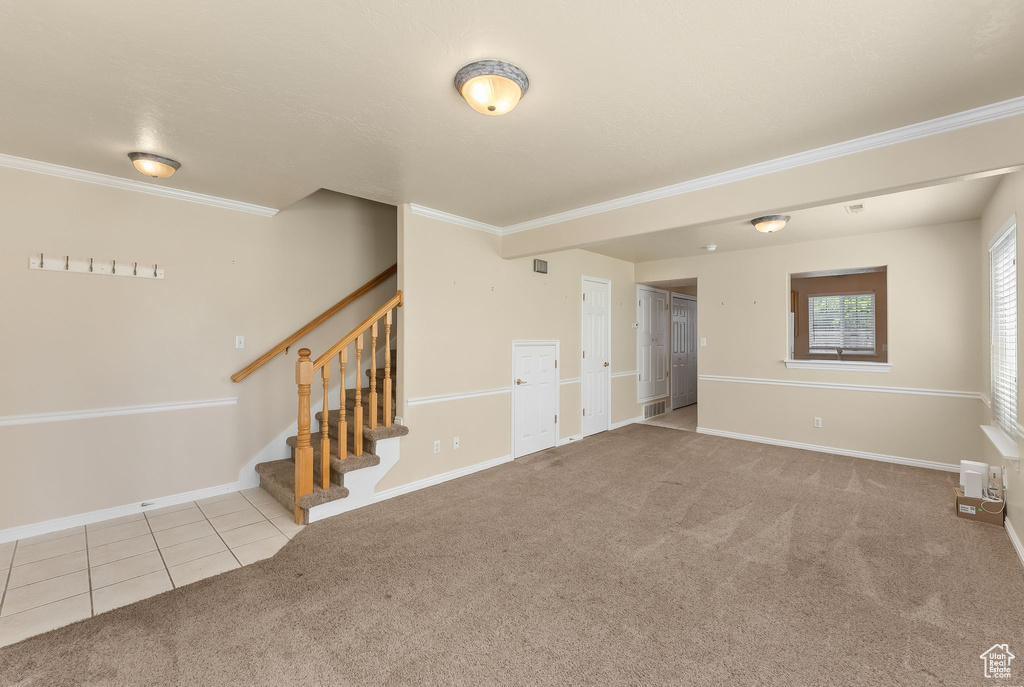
684	418
55	579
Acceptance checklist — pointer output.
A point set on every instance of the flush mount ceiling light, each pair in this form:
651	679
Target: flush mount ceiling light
770	223
492	87
711	247
156	166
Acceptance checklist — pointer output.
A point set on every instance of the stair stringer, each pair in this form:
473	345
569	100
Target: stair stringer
362	484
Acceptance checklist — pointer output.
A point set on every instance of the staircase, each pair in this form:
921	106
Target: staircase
278	477
348	437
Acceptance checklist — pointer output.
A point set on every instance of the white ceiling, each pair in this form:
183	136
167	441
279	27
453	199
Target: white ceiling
954	202
266	102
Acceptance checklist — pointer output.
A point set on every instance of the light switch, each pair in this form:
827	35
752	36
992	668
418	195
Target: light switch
703	341
239	342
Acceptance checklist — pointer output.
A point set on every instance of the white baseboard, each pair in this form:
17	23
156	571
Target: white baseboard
1015	540
915	462
57	524
623	423
569	440
438	479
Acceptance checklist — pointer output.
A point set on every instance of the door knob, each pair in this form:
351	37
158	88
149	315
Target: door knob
606	364
519	381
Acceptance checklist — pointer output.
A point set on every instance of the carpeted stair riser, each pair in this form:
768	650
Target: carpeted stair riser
278	478
370	436
338	467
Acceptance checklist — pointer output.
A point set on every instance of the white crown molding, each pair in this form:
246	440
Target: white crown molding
882	457
65	415
973	395
931	127
431	213
27	165
58	524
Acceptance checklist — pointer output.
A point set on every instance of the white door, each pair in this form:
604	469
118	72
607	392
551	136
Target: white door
534	398
652	343
684	351
596	377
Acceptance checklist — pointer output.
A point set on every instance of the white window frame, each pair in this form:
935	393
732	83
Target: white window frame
1003	366
846	351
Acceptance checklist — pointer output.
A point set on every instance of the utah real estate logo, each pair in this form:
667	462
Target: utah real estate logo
997	661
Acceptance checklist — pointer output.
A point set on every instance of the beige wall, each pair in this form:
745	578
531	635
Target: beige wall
74	341
464	306
1008	200
742	311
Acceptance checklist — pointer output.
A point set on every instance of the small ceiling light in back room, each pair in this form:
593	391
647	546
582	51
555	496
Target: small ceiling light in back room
156	166
492	87
770	223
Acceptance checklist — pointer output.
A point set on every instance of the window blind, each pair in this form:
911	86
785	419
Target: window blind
844	321
1003	273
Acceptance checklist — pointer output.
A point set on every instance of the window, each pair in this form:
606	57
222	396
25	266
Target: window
841	321
840	309
1003	273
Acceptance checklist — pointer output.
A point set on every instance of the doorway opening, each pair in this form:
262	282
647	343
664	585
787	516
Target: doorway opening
679	319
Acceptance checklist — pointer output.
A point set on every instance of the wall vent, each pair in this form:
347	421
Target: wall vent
652	409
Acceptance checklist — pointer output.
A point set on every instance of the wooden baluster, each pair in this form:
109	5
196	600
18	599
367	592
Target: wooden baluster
325	433
387	369
373	376
357	412
303	448
343	410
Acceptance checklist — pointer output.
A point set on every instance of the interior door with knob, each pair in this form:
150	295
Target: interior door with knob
534	397
652	343
684	350
596	372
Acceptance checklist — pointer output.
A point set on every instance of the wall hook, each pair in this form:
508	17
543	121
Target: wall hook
90	264
67	260
135	270
113	268
154	269
41	261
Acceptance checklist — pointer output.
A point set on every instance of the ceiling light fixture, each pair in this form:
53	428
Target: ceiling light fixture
770	223
491	87
156	166
711	247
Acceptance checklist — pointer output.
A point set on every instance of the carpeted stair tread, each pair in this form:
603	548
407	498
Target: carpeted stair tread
376	434
338	466
278	478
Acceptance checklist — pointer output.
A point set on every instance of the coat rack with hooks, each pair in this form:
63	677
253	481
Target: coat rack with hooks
115	268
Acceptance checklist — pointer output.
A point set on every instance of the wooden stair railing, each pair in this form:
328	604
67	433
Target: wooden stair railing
313	324
305	369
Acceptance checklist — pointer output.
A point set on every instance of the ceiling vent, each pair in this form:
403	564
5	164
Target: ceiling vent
855	208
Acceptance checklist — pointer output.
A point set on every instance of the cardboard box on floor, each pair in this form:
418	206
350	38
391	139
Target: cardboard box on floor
978	510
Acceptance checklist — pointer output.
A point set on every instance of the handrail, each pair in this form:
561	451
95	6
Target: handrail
313	324
394	302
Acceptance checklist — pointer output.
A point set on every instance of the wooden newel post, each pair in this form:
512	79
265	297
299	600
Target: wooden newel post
373	376
387	369
303	448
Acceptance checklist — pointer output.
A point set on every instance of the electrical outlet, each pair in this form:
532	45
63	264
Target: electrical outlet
817	423
437	445
455	443
703	341
239	342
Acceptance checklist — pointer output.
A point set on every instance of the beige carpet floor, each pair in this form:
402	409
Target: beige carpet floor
643	556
